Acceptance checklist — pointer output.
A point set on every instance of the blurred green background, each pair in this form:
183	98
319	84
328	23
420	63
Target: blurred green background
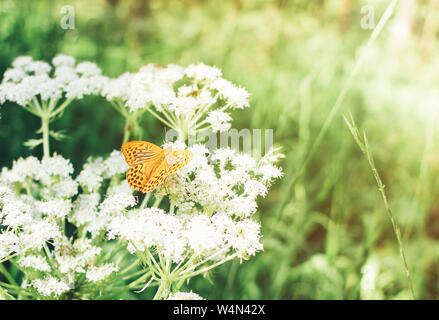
326	234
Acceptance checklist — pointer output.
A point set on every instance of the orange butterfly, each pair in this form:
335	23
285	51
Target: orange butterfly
150	164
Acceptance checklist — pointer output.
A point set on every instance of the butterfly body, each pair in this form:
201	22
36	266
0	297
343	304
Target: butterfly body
149	164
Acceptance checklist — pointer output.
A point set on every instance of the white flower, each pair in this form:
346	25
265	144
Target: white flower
63	60
88	68
58	207
235	96
150	227
115	164
118	88
69	263
244	237
185	296
38	67
37	233
28	80
269	172
34	262
91	175
21	169
64	75
219	120
16	212
75	258
78	88
116	203
95	274
22	62
9	243
85	208
201	71
242	206
56	166
244	162
66	188
50	286
148	87
254	188
14	75
183	106
202	235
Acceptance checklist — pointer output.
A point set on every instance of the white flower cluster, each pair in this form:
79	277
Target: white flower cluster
211	200
29	79
50	286
187	98
214	209
224	182
179	236
37	197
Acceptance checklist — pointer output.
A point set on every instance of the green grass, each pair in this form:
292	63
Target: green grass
324	223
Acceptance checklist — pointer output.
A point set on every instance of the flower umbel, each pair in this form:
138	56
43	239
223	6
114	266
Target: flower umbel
86	234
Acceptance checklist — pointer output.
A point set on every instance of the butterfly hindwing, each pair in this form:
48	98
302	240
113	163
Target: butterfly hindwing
177	160
137	152
155	179
138	174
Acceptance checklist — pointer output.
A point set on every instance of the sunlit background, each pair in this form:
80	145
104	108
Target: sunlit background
326	232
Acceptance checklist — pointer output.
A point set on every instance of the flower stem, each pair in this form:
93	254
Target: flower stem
162	290
45	130
195	273
126	133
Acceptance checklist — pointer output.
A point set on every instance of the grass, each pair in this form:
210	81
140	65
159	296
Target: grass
364	146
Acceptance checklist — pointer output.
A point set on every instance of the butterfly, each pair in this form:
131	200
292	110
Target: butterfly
149	164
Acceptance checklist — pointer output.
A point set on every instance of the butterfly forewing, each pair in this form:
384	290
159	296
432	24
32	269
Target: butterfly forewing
137	152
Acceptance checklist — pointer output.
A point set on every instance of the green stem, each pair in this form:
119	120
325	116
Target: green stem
60	108
157	201
145	200
186	269
162	290
139	280
173	125
8	276
126	133
195	273
45	129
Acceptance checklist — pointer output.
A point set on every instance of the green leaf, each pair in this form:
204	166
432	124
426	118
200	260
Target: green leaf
32	143
58	135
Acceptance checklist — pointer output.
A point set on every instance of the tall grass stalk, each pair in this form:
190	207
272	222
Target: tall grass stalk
338	103
364	146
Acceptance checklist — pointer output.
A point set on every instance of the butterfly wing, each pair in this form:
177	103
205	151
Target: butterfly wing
143	158
156	177
139	152
138	175
177	159
149	166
